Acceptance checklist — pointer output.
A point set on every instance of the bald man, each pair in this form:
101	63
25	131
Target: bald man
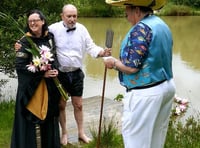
73	41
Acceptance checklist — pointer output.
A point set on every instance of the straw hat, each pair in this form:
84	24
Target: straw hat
154	4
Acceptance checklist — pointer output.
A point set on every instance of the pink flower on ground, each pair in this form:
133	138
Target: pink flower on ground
177	111
181	105
183	108
184	101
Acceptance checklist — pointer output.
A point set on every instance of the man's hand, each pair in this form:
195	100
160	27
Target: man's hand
105	53
17	46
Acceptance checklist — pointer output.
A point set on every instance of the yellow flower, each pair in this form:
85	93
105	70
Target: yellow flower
36	61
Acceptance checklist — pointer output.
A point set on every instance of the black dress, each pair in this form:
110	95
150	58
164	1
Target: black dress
25	123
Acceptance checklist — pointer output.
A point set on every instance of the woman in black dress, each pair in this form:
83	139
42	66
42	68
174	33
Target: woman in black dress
30	130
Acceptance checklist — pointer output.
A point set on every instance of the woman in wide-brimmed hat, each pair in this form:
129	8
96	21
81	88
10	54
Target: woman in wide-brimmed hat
153	4
145	70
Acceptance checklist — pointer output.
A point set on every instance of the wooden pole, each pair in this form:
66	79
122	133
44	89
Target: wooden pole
101	111
108	44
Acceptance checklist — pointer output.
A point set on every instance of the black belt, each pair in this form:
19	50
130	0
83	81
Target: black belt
146	86
69	71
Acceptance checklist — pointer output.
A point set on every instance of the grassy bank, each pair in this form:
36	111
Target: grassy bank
178	10
6	121
179	135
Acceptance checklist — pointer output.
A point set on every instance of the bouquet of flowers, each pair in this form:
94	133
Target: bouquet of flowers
41	62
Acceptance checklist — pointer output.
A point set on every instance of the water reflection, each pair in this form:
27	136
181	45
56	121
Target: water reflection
185	33
186	56
186	38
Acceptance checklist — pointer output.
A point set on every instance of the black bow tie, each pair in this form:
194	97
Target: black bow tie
71	29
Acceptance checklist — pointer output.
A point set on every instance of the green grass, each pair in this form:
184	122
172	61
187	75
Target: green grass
181	134
109	136
6	122
177	10
184	135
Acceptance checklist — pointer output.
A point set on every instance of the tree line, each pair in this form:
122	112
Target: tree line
191	3
92	8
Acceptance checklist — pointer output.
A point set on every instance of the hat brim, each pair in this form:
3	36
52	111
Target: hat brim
145	3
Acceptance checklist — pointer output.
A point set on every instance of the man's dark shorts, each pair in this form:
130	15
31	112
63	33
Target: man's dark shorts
72	82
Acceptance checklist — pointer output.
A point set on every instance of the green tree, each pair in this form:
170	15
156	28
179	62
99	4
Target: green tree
191	3
9	34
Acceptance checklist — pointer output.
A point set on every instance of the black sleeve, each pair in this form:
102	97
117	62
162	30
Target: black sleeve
23	57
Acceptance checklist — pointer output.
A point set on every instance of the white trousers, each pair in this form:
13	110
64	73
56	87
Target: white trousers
146	116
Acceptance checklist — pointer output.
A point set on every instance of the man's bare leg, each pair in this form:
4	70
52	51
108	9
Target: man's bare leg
62	119
78	114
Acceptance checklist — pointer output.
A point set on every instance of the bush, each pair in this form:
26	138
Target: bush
176	10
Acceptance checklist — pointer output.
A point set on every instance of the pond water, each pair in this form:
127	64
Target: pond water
186	57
